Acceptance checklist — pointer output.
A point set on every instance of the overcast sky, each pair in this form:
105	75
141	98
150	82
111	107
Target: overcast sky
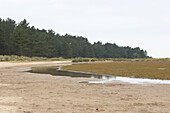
134	23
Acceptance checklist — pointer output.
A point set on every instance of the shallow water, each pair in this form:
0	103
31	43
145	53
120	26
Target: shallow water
105	78
57	72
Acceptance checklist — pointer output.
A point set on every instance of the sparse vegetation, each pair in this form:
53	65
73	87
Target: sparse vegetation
117	59
155	68
14	58
81	60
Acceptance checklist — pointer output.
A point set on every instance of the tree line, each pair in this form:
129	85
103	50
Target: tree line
24	40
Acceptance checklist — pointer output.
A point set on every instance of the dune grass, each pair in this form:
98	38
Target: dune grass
139	69
14	58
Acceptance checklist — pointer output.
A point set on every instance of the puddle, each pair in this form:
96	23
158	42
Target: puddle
104	78
142	80
161	68
132	81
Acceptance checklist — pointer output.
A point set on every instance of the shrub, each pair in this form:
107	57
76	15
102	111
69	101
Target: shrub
81	60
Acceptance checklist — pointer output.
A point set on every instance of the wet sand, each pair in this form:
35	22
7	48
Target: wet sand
23	92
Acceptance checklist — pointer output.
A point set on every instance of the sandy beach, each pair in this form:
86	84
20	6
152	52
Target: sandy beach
23	92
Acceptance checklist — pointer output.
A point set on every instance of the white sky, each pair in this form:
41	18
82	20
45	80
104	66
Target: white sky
134	23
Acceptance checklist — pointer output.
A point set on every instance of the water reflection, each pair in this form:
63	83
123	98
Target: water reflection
105	78
54	71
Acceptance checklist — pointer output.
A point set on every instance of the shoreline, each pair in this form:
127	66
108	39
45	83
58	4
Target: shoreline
130	80
38	93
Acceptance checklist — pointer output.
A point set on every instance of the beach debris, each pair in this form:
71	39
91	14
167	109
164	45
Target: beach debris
27	112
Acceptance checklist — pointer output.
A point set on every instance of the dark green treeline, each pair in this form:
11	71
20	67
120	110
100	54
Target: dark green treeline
24	40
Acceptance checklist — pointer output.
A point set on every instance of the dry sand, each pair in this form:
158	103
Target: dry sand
23	92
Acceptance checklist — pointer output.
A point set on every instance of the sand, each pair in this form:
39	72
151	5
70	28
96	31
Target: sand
23	92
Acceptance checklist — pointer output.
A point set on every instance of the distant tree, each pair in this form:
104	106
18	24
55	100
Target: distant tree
22	39
6	29
99	50
66	50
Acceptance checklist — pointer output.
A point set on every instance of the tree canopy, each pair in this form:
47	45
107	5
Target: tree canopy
24	40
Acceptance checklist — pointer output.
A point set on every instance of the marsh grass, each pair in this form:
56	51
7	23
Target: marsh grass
158	69
118	59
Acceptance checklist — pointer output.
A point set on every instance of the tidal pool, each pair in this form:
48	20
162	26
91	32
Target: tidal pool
57	72
104	78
